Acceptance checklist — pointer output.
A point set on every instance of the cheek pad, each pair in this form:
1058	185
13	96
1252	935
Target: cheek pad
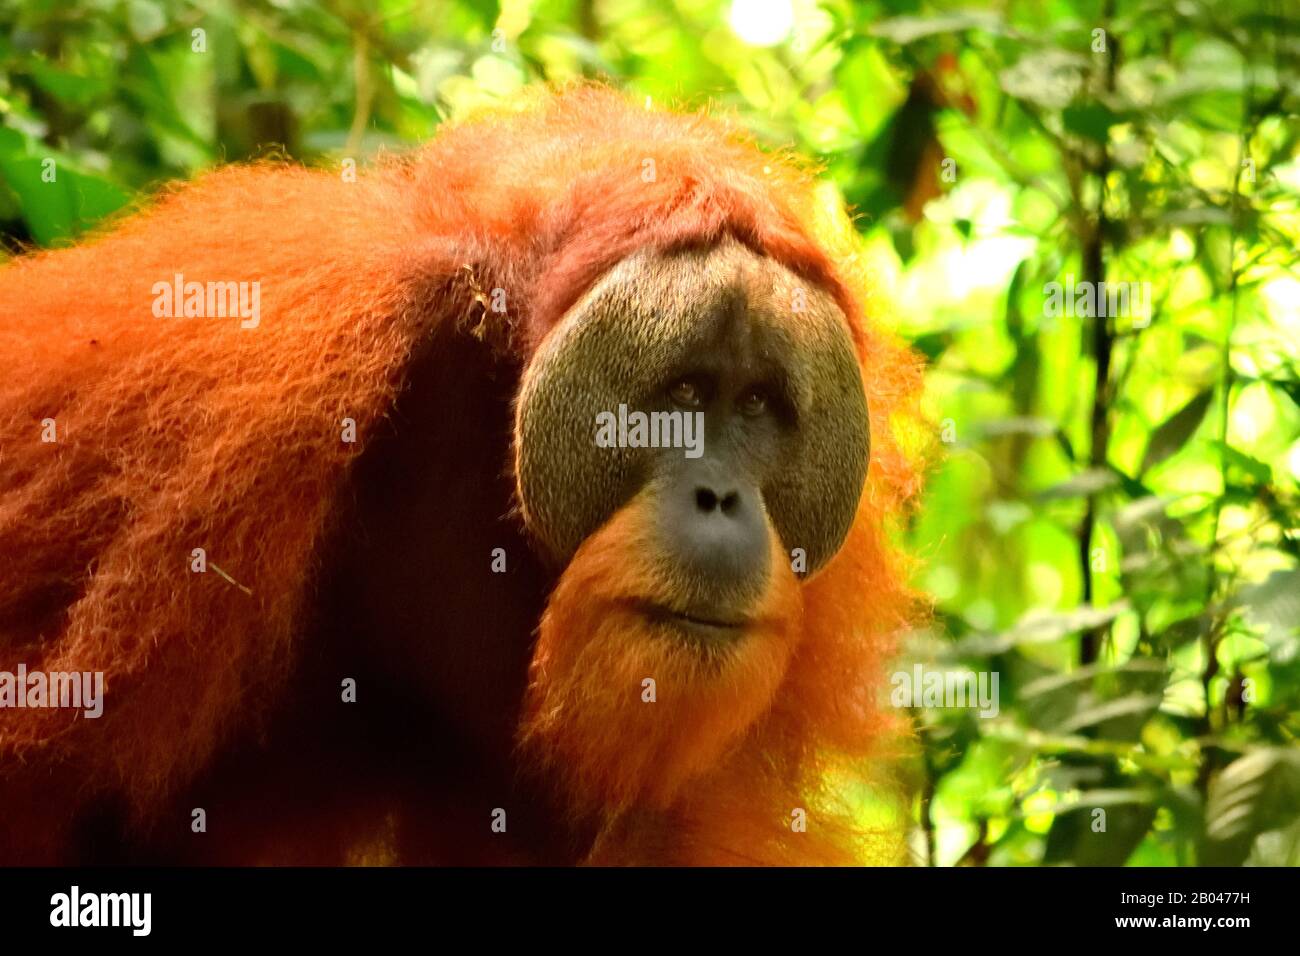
813	497
614	347
568	486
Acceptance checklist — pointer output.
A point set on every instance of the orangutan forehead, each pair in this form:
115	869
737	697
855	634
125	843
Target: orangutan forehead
694	293
656	312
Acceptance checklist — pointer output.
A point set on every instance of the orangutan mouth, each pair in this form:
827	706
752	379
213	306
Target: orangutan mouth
716	626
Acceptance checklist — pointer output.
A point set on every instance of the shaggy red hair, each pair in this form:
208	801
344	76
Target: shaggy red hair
175	434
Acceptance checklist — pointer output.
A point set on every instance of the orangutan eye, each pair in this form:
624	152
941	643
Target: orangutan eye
753	403
687	394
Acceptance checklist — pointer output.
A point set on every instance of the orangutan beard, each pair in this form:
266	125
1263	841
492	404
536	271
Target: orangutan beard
592	719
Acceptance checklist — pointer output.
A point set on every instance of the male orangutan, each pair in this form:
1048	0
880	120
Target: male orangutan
361	582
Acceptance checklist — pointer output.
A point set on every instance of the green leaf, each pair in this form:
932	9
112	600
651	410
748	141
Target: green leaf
1135	707
1089	482
1274	604
1040	627
1185	631
1197	216
933	344
1255	793
1176	429
67	86
56	210
1021	425
145	19
1127	818
1291	386
1260	472
1089	120
1277	848
1049	78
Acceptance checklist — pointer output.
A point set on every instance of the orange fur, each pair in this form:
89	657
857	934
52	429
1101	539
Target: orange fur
585	716
711	772
176	434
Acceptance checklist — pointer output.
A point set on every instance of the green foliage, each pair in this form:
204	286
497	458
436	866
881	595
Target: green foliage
1112	528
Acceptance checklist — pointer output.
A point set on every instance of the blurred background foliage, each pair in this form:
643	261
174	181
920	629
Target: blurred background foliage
1113	527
